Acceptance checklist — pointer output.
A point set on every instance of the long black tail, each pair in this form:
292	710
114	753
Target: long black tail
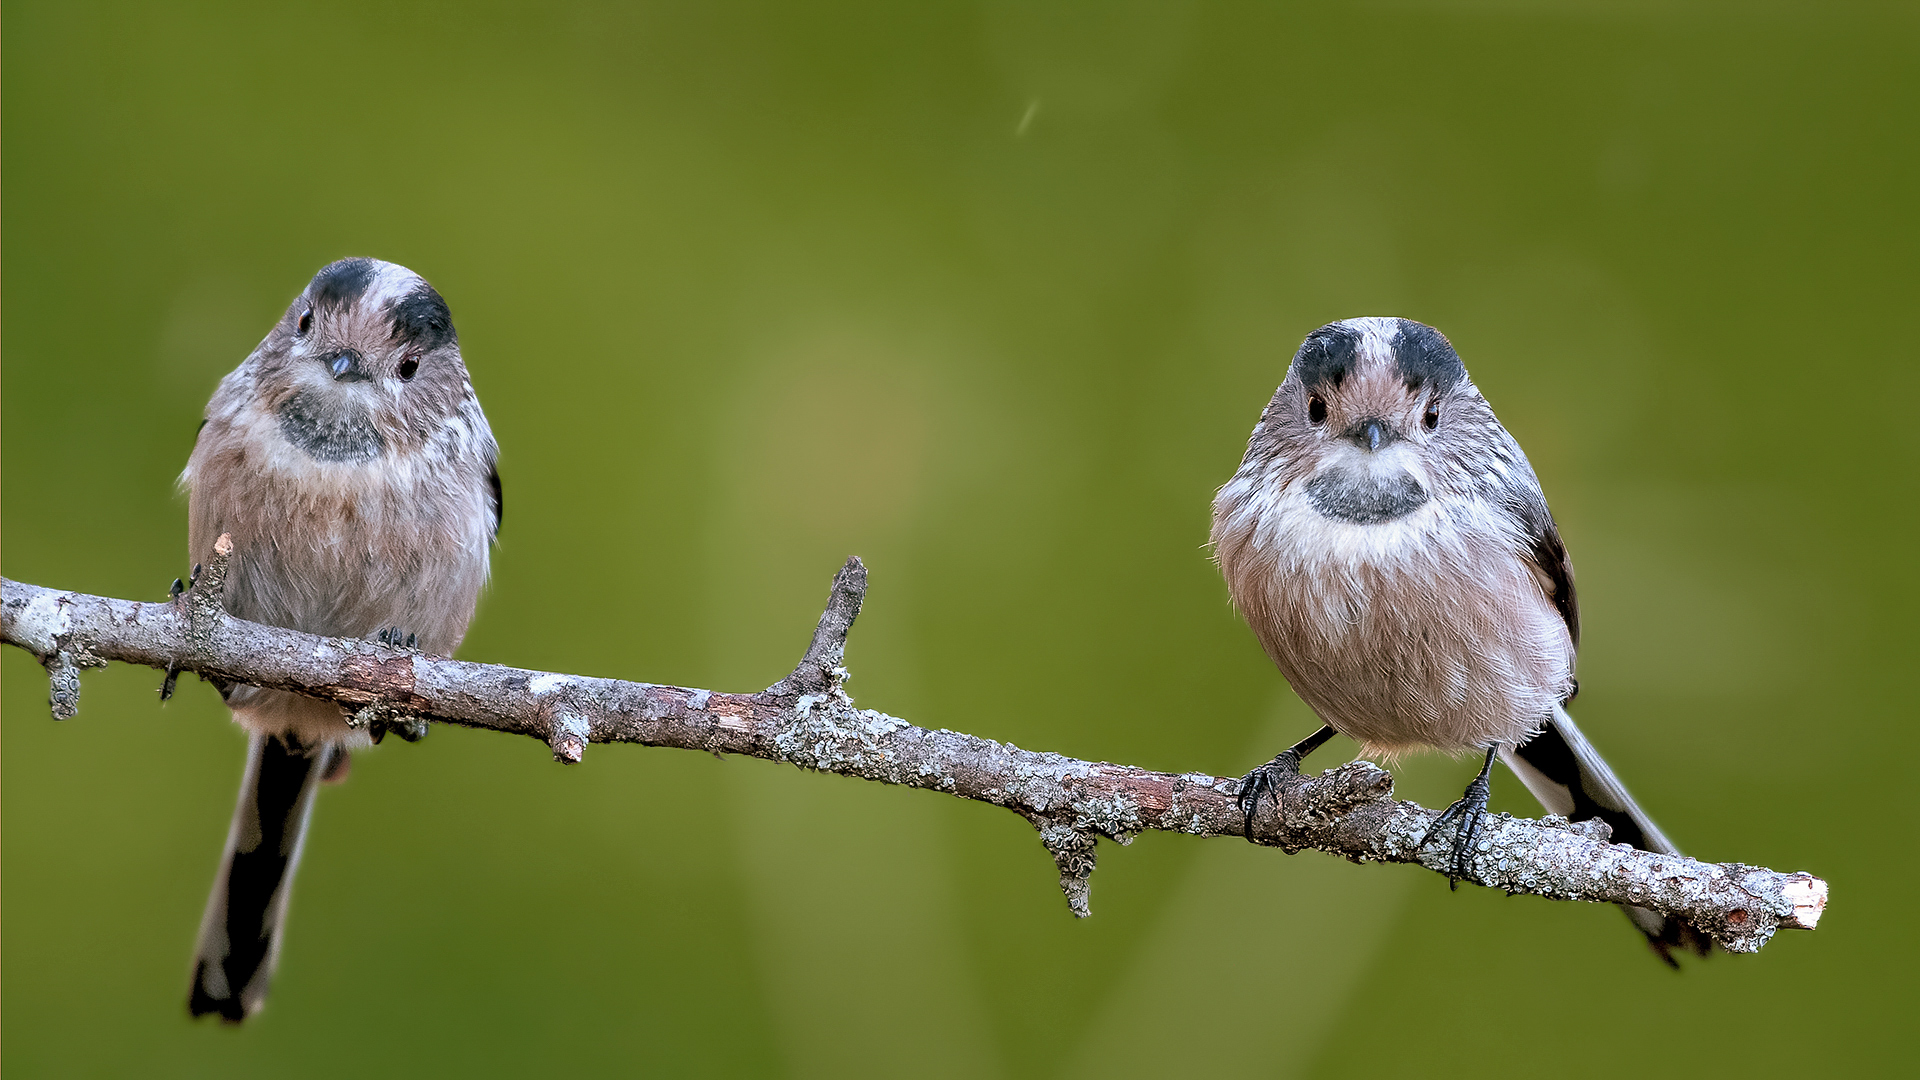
1571	779
240	933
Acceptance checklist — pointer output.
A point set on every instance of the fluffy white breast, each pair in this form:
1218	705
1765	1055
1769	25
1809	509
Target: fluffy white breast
1426	629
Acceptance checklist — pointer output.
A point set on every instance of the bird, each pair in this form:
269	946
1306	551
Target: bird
349	462
1389	545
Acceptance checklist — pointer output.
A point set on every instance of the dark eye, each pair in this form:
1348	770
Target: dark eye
306	321
1316	409
409	366
1432	419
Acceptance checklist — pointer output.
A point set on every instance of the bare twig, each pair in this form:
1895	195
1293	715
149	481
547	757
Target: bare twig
807	719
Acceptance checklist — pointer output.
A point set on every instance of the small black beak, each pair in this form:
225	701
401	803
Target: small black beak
1371	433
345	366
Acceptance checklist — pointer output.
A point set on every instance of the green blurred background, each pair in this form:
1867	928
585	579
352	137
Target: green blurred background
990	295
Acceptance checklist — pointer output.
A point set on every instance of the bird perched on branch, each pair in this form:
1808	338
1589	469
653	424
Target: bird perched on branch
349	461
1389	545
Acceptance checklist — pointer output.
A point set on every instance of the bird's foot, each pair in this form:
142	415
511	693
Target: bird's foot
1265	782
395	638
1269	778
193	578
1467	811
409	728
174	592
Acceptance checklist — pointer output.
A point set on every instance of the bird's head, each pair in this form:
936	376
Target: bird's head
365	362
1364	412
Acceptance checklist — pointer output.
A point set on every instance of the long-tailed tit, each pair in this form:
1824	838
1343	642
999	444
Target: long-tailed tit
349	461
1389	545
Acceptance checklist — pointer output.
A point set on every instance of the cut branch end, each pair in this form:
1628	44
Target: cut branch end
1807	896
569	738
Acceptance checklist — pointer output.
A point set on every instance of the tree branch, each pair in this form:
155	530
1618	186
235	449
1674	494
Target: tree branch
807	719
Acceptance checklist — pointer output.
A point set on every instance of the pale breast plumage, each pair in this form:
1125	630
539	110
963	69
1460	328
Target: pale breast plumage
1424	630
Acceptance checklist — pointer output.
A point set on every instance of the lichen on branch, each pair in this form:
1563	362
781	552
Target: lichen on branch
807	719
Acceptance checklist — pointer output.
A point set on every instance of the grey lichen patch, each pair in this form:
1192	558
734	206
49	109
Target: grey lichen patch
1351	785
809	720
63	662
376	715
876	724
1592	829
1185	791
828	734
1073	851
63	677
1040	781
1112	815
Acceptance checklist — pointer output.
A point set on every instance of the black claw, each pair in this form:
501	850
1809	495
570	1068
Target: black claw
173	673
1469	810
1263	782
395	638
408	728
193	577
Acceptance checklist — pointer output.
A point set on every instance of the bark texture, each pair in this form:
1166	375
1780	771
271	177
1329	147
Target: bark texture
807	719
